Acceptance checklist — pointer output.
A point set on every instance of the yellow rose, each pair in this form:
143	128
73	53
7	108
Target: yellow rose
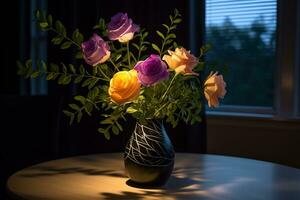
214	88
124	86
182	61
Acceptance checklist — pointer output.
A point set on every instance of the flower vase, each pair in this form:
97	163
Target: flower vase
149	155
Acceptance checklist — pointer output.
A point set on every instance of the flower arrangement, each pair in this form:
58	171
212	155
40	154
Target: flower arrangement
125	74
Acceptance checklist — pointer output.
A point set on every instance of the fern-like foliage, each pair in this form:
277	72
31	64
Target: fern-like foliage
182	101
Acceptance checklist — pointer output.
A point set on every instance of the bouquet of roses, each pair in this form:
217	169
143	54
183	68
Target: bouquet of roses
125	74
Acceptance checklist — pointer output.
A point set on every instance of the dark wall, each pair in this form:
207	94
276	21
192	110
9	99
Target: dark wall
11	37
274	140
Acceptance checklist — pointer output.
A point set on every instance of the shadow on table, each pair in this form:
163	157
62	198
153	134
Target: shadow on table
53	171
182	183
179	186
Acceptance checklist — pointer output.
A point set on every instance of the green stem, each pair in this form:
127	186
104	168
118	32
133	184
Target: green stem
164	42
112	62
85	76
94	103
128	54
160	109
66	37
103	74
169	87
140	49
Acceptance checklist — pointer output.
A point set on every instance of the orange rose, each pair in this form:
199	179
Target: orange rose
182	61
124	86
214	88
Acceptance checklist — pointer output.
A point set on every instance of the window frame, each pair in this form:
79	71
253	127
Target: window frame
286	102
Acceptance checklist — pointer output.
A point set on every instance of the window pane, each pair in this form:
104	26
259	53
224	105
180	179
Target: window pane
242	34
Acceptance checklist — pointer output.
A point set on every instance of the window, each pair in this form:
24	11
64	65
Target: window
243	37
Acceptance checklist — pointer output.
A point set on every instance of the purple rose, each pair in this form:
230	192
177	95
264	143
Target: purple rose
95	50
121	28
151	71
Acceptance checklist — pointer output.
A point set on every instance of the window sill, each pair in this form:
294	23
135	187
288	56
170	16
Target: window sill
242	119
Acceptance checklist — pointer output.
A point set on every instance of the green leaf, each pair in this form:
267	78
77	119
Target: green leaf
79	55
28	63
43	25
101	130
131	110
49	18
81	70
136	46
166	26
61	79
72	68
35	74
173	27
77	36
177	21
64	68
160	34
44	66
50	76
155	47
107	121
69	114
87	82
60	28
176	12
93	83
81	99
105	133
93	93
78	79
88	108
79	116
67	79
170	36
74	106
115	130
144	48
102	23
29	72
64	79
66	45
43	16
175	45
54	67
145	34
21	68
57	40
38	14
119	126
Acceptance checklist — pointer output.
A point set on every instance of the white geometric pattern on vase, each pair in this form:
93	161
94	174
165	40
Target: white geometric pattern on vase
146	146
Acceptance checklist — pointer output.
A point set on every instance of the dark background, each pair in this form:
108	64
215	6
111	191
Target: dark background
33	128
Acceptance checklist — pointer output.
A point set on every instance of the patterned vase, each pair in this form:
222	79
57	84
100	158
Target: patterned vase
149	155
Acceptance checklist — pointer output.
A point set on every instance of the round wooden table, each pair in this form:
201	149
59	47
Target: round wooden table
195	176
